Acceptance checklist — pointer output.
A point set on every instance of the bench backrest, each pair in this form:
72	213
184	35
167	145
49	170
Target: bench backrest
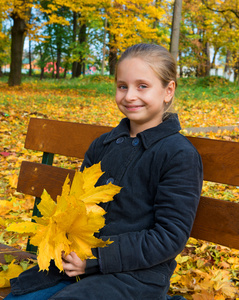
216	221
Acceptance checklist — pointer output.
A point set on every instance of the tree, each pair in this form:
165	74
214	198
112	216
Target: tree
17	42
175	31
20	13
131	22
229	13
82	47
199	33
42	50
104	48
4	46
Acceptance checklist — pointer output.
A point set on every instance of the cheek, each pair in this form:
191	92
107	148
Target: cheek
118	97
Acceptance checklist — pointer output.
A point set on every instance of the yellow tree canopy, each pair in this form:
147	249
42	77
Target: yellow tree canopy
129	21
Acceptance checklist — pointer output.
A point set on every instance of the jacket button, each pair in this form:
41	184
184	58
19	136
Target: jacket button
135	142
119	140
110	180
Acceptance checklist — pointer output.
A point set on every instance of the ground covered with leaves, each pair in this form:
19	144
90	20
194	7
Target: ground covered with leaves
204	271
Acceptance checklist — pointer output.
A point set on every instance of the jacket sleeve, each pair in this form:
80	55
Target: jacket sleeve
33	279
175	207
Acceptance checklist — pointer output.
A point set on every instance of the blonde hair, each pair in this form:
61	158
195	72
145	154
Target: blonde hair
158	58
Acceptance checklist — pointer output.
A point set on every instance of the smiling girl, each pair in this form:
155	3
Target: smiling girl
150	220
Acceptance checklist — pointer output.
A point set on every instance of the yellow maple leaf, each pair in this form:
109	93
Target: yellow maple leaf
223	283
5	207
204	295
70	223
219	297
2	222
12	271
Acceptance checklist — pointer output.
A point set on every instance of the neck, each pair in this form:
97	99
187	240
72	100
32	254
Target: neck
137	128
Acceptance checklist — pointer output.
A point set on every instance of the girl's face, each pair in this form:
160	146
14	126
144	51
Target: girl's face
140	95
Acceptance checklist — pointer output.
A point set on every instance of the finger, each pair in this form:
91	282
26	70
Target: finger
74	255
64	260
68	258
73	272
67	266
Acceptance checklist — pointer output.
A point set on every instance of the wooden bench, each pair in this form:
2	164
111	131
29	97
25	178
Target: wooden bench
216	221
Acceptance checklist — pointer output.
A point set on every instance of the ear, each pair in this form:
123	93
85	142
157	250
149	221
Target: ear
170	90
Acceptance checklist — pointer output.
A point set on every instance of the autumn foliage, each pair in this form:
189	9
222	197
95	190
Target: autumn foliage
205	271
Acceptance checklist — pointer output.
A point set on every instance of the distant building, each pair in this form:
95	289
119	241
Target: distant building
49	68
26	65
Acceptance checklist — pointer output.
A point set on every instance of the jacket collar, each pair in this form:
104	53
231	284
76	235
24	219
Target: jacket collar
150	136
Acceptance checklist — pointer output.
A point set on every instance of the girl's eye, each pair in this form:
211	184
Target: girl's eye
143	86
122	87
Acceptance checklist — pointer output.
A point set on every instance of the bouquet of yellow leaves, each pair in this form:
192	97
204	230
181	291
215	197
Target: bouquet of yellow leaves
70	223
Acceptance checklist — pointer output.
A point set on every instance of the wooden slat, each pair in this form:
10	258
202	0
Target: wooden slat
220	159
59	137
18	254
4	292
34	177
216	221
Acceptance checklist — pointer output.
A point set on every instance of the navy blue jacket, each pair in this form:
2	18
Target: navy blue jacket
152	217
150	220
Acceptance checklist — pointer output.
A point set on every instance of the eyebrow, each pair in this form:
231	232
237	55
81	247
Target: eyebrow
137	81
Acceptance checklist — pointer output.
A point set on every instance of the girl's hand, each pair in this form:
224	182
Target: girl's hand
73	265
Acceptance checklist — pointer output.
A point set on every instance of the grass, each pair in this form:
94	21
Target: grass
208	88
102	85
200	102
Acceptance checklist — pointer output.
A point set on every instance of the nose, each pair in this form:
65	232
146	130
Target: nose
131	94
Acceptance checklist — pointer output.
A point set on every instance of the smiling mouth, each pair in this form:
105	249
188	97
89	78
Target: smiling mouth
133	107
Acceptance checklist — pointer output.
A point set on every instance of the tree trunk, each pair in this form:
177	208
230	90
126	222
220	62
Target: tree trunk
17	43
156	21
180	65
58	61
78	69
42	67
82	39
75	28
81	64
201	64
112	60
213	64
104	49
53	61
207	60
30	59
42	73
112	53
236	76
236	70
65	72
228	57
175	31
